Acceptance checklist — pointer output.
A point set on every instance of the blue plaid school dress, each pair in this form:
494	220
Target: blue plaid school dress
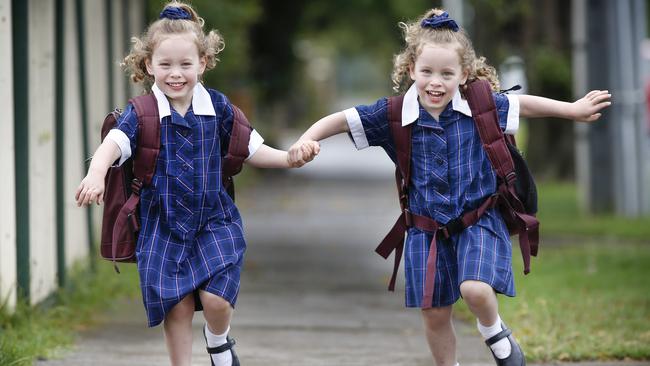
450	174
191	233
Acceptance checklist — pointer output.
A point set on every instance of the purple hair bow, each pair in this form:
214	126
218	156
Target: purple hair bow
173	12
440	21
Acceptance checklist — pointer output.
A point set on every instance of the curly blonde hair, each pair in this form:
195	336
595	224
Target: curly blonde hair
416	36
209	44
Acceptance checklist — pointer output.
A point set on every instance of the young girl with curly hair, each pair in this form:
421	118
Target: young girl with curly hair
191	244
450	175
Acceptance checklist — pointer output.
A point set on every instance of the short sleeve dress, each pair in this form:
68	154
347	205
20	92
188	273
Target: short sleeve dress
191	233
451	174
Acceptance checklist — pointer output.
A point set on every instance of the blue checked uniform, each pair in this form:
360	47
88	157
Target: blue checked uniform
191	232
450	175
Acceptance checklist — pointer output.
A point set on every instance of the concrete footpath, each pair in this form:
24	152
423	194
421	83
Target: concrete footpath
313	291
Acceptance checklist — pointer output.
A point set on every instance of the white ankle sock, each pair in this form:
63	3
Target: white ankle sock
502	348
216	340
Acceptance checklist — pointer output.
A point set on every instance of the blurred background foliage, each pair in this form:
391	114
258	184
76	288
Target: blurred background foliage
288	63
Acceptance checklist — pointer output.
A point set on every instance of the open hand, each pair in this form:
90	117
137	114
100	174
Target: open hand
90	190
587	108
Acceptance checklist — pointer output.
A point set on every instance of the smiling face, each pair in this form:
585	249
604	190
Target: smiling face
176	67
437	73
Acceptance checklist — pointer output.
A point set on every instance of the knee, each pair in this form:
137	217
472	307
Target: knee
183	310
436	318
215	304
476	293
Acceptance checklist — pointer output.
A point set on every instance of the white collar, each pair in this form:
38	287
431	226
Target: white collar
411	106
201	102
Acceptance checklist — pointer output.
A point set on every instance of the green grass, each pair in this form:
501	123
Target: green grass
588	294
43	331
560	215
584	301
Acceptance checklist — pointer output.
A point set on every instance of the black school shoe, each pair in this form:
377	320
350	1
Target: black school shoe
228	346
516	357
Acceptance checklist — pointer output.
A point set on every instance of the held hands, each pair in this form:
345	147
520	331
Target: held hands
91	190
587	108
302	152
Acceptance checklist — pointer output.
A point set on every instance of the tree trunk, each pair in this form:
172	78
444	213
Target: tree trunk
550	151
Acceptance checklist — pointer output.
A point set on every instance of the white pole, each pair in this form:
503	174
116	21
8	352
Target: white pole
580	67
455	10
642	134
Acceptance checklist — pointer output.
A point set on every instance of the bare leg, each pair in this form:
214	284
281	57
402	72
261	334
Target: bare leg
217	312
481	300
178	332
440	335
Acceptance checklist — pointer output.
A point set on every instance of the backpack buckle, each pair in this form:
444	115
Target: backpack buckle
511	178
408	218
404	188
403	194
132	219
444	231
136	185
453	227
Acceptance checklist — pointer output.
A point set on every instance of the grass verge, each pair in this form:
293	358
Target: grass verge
560	216
588	301
588	295
35	332
584	302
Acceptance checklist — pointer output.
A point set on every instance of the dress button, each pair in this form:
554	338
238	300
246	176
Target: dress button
185	133
439	161
185	167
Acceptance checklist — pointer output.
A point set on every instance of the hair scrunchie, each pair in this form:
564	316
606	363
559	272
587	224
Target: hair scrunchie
174	12
440	21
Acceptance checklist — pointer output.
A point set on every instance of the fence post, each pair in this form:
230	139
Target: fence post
8	262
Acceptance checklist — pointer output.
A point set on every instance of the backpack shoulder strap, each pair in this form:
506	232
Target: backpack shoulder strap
481	102
148	147
484	112
394	240
238	144
144	166
402	140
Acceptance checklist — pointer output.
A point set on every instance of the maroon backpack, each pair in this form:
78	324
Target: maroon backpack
516	195
120	221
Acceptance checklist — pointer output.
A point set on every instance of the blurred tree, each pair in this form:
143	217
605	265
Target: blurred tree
550	148
294	35
262	66
272	40
232	20
539	31
275	50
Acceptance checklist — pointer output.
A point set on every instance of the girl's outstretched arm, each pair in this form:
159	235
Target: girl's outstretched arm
325	127
268	157
586	109
91	188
